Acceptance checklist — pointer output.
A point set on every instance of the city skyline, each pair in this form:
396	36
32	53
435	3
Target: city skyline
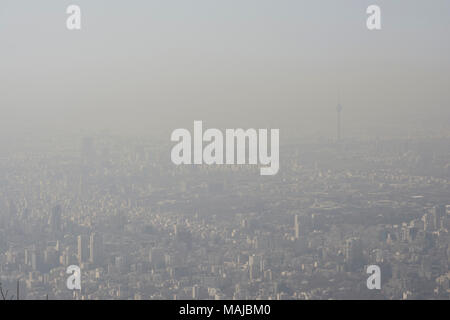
224	150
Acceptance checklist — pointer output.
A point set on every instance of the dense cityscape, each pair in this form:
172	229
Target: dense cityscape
140	227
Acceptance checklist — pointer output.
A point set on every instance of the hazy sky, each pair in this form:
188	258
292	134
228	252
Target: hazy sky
138	65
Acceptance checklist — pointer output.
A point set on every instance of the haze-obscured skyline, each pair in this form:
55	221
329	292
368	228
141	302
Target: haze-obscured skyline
146	65
94	186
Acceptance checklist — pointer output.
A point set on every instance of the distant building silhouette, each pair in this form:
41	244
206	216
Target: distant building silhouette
55	220
297	227
83	251
354	254
95	248
339	110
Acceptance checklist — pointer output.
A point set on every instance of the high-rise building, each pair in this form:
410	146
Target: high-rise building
438	212
199	292
354	254
297	227
95	248
55	220
67	257
83	252
302	223
27	257
429	222
255	266
339	110
34	260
